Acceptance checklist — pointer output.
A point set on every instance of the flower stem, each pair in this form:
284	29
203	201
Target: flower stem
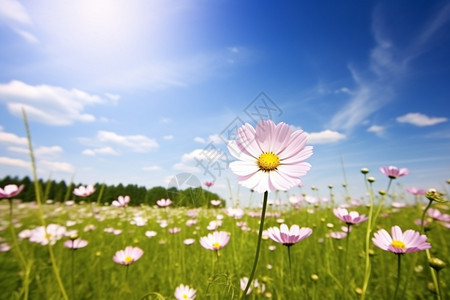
261	228
344	283
38	194
367	245
398	276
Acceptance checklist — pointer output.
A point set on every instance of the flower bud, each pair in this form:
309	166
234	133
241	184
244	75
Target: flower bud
371	179
314	277
437	263
434	195
382	192
364	170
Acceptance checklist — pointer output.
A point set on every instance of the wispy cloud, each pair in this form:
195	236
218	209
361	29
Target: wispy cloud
420	120
151	168
15	15
48	104
388	63
102	151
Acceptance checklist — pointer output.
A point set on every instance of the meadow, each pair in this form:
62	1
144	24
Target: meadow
326	265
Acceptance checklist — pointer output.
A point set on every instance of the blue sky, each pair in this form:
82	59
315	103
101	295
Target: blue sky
135	91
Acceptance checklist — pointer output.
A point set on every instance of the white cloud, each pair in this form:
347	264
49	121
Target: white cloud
14	162
215	139
189	161
151	168
48	104
113	97
54	166
39	152
12	139
102	150
137	143
15	15
168	137
199	140
376	128
325	137
420	120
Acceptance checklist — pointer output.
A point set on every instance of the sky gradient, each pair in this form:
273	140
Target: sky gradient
136	92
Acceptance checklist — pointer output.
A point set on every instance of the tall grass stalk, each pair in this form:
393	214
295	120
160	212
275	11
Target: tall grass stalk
367	267
38	194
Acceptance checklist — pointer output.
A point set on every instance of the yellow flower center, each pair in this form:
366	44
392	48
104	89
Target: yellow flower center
268	161
185	296
128	259
398	244
216	245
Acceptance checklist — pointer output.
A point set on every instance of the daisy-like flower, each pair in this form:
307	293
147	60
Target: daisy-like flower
259	287
164	202
84	191
184	292
75	244
288	237
208	184
50	234
128	256
350	218
150	233
215	241
10	190
121	201
393	172
270	157
399	243
188	242
215	202
415	191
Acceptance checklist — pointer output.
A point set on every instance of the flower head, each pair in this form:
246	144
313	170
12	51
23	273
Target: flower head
350	218
215	241
399	243
121	201
215	202
393	172
128	256
259	287
184	292
164	202
84	191
10	190
208	183
47	235
288	237
270	157
415	191
75	244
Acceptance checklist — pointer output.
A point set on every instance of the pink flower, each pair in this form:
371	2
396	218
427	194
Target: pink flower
188	242
350	218
84	191
128	256
48	235
393	172
215	202
415	191
184	292
288	237
164	202
10	190
270	157
121	201
75	244
399	243
208	183
437	215
174	230
215	241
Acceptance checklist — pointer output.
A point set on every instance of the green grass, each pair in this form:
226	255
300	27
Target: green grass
167	262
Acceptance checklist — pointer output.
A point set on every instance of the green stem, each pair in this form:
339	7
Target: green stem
72	276
422	220
261	228
344	283
398	276
438	287
41	213
367	245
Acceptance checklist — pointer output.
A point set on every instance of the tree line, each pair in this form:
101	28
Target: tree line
105	194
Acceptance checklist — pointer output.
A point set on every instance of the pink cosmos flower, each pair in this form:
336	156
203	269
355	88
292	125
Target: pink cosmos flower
48	235
121	201
393	172
215	241
84	191
272	157
259	287
164	202
416	192
350	218
75	244
184	292
399	243
288	237
188	242
128	256
208	183
437	215
10	190
4	247
215	202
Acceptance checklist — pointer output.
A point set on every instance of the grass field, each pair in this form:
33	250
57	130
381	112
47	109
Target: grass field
317	270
